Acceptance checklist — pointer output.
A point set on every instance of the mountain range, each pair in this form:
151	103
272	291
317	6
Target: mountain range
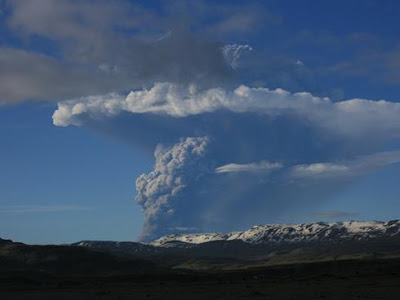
265	245
309	232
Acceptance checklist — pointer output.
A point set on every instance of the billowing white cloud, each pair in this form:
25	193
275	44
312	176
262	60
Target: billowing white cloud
68	112
261	166
354	117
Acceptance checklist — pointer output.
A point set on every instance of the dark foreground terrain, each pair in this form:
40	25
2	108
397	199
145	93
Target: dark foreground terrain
352	279
338	265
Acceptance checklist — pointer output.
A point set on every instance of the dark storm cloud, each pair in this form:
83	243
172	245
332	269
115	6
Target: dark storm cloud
103	46
110	46
32	76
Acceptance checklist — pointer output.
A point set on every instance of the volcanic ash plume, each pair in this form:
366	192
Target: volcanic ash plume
162	190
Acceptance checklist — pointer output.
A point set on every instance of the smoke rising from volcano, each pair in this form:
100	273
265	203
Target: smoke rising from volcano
162	191
231	157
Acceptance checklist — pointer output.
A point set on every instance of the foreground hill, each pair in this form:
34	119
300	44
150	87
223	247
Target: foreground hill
332	280
18	258
350	260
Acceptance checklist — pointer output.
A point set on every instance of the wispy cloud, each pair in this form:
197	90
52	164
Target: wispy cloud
359	166
42	208
261	166
184	229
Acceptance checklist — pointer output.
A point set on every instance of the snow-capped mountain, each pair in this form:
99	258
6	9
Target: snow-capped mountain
272	244
278	233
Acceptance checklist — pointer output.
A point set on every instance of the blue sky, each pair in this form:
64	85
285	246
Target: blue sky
63	184
71	176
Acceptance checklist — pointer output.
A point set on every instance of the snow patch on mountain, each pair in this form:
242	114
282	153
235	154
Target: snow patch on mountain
278	233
